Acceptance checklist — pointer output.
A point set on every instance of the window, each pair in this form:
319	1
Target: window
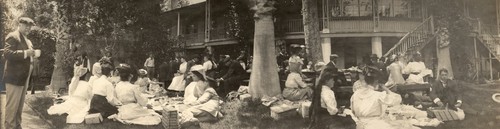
383	8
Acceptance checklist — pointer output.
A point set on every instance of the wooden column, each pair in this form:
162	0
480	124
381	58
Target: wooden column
178	23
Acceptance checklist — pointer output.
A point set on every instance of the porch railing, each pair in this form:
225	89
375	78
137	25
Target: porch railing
351	24
219	34
355	24
193	38
414	40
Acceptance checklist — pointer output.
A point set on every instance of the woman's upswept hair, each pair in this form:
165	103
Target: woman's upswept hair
124	71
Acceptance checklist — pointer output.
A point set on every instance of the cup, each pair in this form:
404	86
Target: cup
38	53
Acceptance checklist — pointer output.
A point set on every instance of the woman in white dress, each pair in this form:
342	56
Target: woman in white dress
132	111
78	103
96	73
178	82
206	106
395	72
189	96
103	93
360	83
368	105
417	70
328	100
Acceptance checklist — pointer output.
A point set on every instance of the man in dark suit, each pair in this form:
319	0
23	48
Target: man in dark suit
19	54
333	62
231	81
339	77
163	71
446	91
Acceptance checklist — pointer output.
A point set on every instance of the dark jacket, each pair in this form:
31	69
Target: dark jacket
235	70
163	72
173	66
16	66
449	94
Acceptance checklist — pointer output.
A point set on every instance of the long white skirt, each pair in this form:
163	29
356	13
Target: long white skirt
178	83
133	113
76	109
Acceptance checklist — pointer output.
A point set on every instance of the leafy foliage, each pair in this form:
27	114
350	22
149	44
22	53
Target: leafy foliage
240	20
45	41
459	27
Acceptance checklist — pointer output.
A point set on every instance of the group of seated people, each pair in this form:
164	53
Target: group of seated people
371	95
226	75
125	102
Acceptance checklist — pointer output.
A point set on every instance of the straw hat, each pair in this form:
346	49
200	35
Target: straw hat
496	97
80	71
143	72
199	71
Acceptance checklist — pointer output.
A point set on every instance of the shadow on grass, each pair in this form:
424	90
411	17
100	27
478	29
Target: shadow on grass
42	102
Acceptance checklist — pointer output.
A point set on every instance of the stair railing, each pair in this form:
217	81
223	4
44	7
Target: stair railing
491	42
414	40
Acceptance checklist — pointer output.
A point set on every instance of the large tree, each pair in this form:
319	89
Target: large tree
264	78
311	30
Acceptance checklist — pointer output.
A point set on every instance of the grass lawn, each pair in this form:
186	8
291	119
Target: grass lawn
481	113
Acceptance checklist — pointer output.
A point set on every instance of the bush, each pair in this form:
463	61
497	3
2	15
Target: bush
45	41
252	114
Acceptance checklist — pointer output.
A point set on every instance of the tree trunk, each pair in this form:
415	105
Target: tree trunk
313	49
264	79
58	79
59	76
311	30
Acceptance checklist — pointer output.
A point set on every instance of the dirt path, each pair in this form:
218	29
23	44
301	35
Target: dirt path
30	119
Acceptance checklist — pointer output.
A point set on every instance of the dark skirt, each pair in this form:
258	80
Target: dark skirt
99	104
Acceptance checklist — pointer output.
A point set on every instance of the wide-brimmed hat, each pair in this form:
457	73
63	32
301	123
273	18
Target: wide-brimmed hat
496	97
334	56
198	71
27	21
80	70
143	72
319	66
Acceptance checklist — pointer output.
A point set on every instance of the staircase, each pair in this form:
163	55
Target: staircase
491	42
414	40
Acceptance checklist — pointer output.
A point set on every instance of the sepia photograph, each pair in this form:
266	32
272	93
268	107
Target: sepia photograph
249	64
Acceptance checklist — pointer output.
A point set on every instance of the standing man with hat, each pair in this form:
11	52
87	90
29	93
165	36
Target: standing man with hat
19	54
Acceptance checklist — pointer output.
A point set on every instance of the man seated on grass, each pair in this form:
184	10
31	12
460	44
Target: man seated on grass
447	93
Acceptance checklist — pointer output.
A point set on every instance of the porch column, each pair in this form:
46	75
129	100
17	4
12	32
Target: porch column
326	46
178	23
377	46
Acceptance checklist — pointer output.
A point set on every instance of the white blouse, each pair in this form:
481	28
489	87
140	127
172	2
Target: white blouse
208	65
127	93
183	67
103	87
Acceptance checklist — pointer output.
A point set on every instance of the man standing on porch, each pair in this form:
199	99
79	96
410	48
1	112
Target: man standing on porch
19	54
